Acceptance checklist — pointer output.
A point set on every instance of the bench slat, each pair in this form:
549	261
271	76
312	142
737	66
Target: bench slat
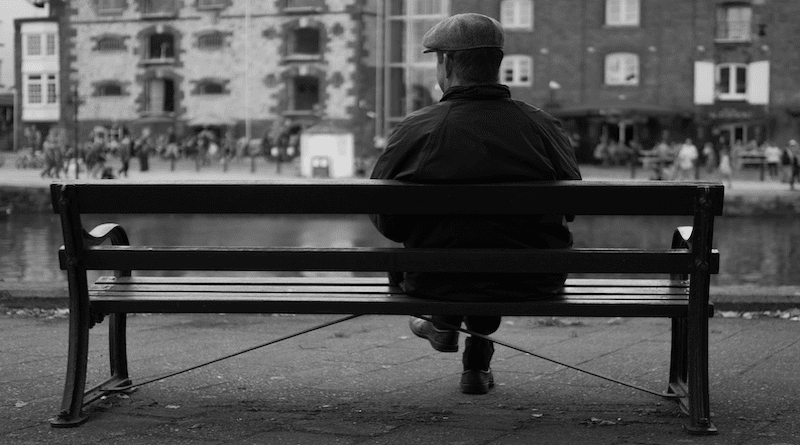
388	304
364	196
108	289
579	260
362	281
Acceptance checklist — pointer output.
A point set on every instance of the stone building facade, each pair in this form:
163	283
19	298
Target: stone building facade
238	65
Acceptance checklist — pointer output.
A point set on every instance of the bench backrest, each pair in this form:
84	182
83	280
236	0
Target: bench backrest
702	200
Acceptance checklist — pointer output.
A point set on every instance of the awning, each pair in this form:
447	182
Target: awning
615	108
6	99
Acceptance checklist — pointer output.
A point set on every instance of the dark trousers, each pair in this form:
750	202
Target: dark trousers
477	351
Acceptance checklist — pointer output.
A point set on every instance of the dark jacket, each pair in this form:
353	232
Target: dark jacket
477	134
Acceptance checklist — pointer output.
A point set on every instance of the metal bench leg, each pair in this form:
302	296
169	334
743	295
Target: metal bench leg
697	363
677	365
117	348
71	414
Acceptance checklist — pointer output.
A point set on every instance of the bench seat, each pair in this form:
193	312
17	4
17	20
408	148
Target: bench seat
374	295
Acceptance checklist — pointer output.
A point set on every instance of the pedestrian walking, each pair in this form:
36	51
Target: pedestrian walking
125	153
725	167
710	157
772	157
794	149
686	160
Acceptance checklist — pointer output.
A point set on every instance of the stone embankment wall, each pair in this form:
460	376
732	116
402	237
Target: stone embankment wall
26	199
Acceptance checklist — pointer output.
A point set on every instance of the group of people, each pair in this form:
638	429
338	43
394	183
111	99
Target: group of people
204	147
685	161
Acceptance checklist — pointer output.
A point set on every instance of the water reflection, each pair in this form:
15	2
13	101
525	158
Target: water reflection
754	250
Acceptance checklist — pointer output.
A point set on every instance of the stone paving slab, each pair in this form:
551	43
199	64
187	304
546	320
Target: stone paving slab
370	381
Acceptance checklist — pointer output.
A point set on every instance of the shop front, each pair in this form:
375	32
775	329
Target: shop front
614	129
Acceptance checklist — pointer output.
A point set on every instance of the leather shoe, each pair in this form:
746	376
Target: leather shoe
475	381
441	340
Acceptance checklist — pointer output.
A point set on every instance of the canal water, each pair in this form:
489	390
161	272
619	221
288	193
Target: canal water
754	250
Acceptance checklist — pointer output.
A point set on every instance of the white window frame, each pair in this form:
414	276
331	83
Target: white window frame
734	30
50	90
34	81
50	44
731	93
517	14
619	67
517	71
623	12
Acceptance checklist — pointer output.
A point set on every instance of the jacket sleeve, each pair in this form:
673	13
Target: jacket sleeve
399	161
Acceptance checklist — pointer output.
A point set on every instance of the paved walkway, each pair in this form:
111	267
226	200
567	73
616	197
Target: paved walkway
370	381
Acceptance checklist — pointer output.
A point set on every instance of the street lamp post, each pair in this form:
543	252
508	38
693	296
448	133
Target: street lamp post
76	149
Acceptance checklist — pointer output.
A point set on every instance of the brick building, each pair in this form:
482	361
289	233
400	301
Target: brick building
223	64
624	69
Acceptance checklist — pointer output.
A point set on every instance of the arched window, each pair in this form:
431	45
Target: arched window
517	71
160	46
622	12
622	69
517	14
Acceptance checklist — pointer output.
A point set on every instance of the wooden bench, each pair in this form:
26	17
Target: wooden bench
682	293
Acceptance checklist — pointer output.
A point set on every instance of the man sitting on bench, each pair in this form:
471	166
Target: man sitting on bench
475	134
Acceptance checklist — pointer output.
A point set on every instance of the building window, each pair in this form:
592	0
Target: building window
517	71
110	6
158	7
210	87
305	4
109	89
306	93
622	12
111	44
426	7
622	69
734	22
34	42
214	40
305	41
52	89
160	46
35	89
159	96
732	81
517	14
50	44
211	4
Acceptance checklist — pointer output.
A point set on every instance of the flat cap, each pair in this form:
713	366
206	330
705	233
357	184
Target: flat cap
464	31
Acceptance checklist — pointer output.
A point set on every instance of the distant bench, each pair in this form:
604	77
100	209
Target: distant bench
682	294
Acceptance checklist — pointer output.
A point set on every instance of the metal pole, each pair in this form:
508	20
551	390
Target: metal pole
247	124
75	101
380	112
15	121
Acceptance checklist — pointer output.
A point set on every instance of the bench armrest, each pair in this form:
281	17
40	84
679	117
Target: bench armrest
682	239
108	232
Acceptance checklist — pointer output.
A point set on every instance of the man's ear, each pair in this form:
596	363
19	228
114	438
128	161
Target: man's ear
448	64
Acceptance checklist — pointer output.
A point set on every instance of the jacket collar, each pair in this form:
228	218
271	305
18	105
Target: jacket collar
477	92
